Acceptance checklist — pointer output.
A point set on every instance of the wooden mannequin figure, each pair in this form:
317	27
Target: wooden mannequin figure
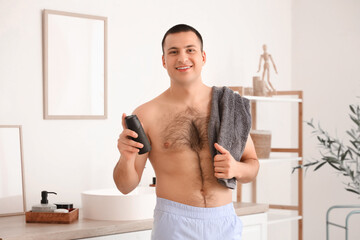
266	56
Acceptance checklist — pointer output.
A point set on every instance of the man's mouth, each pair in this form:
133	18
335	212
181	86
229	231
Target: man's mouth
183	68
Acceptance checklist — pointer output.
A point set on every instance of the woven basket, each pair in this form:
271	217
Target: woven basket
262	142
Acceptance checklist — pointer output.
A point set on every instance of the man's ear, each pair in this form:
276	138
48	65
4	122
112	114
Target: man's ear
163	61
203	57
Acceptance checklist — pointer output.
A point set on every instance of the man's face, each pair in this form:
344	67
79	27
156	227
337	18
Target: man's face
183	58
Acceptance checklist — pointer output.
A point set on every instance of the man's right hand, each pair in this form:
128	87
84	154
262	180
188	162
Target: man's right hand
128	148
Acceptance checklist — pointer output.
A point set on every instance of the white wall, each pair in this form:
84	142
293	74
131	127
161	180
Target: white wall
325	64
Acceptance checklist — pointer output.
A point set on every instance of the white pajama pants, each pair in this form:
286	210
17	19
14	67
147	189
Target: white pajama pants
177	221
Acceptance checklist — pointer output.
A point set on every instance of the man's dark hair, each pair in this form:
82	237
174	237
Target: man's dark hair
182	28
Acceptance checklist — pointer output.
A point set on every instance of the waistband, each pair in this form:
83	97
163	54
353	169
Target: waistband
184	210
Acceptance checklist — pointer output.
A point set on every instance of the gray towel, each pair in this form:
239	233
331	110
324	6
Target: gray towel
229	125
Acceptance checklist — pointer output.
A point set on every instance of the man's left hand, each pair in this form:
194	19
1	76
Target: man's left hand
225	166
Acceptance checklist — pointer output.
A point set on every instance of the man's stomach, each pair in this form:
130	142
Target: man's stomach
191	190
187	177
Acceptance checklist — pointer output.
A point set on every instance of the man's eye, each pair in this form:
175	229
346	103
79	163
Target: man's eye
191	50
172	52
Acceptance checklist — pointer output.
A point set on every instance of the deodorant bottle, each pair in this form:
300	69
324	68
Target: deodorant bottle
132	122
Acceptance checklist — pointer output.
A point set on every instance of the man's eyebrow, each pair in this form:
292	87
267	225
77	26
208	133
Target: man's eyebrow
187	46
172	48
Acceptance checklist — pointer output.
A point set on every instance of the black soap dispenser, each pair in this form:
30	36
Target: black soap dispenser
153	182
45	206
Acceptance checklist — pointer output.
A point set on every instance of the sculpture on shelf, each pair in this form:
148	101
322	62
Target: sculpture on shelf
266	69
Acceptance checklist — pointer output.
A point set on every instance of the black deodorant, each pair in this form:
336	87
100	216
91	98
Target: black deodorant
133	123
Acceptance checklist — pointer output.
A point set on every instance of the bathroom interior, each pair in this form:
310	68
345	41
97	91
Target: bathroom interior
313	43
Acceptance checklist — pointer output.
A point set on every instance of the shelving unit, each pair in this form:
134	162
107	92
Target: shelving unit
274	216
277	213
272	160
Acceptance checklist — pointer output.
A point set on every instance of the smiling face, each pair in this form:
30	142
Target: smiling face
183	58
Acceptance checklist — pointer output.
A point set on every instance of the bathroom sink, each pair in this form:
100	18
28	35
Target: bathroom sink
111	204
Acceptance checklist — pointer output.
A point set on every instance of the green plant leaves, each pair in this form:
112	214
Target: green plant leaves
352	109
352	190
344	159
319	166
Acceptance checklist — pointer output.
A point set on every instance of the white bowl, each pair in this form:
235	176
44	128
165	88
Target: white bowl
111	204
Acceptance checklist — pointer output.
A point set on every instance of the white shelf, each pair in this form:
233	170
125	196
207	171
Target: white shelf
271	160
280	216
273	99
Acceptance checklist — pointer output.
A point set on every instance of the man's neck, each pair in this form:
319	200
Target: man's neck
190	94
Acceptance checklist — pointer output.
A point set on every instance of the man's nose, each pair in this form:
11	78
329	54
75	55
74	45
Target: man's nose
183	57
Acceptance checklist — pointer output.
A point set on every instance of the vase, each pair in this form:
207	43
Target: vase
262	142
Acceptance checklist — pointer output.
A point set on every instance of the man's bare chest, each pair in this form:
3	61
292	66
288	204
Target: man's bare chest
185	129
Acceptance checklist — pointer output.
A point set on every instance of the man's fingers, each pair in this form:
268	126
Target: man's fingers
219	162
131	149
220	175
127	148
219	169
223	164
127	144
219	157
128	133
220	148
130	142
133	143
123	121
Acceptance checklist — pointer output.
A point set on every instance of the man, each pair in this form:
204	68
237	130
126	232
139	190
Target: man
191	204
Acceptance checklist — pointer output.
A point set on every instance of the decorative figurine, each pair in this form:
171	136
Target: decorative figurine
266	56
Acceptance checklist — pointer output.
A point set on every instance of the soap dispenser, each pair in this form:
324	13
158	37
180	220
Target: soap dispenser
153	182
45	206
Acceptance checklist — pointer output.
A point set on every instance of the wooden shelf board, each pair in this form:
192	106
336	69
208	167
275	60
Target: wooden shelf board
273	99
271	160
279	216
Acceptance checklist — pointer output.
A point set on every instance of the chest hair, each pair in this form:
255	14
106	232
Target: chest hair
186	129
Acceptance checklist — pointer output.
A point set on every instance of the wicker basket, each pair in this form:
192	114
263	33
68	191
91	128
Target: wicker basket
51	217
262	142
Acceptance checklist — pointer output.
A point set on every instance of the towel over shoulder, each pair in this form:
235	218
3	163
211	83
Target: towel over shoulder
229	125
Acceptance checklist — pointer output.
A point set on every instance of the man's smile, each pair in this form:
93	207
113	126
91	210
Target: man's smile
183	68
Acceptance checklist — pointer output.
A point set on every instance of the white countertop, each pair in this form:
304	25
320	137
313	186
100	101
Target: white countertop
15	227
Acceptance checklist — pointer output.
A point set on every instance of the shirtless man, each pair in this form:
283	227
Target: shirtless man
186	175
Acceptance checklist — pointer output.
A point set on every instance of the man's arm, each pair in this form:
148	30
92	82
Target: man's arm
127	174
227	167
128	170
249	164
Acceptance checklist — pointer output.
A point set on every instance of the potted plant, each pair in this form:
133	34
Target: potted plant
344	158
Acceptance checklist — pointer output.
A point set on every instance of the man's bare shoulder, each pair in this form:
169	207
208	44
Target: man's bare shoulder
146	111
